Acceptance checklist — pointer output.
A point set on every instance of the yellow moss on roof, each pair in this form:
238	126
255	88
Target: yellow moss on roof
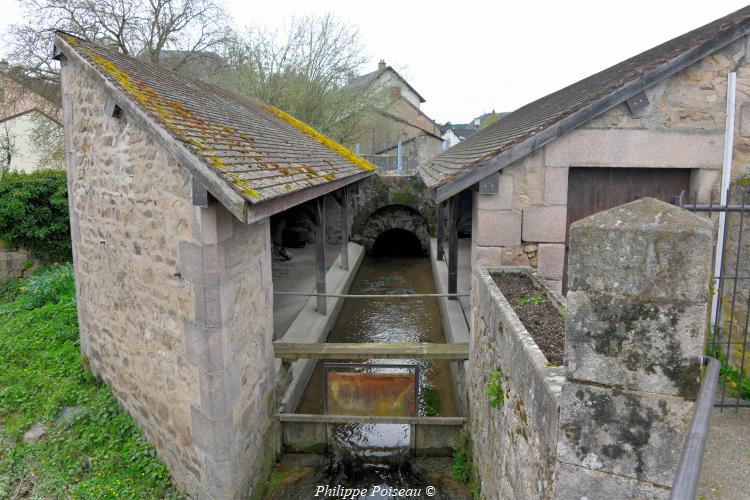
175	116
326	141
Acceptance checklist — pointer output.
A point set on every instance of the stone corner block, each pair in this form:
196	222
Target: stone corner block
550	258
556	185
652	346
502	200
631	434
544	224
498	228
213	435
646	248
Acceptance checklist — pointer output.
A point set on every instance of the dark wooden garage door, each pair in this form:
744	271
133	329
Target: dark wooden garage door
592	190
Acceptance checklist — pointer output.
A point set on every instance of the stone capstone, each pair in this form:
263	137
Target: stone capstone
625	249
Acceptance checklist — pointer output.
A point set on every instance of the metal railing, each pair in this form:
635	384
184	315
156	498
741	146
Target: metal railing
685	484
729	291
389	163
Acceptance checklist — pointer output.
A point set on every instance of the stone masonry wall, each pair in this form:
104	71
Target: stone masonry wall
15	263
683	127
174	301
515	444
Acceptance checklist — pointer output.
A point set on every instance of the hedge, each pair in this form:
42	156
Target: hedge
34	213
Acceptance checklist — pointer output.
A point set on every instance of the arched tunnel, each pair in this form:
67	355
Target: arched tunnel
396	230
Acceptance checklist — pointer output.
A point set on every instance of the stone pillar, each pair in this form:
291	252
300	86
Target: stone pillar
635	323
229	341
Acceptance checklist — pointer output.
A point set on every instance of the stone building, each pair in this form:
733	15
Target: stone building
171	186
398	117
25	104
652	125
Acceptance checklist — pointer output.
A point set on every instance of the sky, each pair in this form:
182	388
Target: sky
488	55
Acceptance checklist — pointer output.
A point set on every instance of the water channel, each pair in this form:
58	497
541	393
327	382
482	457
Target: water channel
368	454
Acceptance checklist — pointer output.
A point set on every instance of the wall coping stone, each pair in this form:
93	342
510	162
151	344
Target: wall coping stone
551	377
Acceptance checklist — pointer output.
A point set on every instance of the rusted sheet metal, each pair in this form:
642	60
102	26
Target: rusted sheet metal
379	394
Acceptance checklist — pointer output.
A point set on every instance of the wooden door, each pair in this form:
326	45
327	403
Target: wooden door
593	189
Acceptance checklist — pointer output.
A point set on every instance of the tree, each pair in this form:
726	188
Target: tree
48	139
8	147
140	28
304	69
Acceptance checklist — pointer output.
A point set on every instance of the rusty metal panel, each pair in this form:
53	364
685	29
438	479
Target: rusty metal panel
371	394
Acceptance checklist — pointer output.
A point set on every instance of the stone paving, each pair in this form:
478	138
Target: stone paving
726	463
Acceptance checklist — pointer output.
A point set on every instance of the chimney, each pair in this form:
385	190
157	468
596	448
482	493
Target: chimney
381	65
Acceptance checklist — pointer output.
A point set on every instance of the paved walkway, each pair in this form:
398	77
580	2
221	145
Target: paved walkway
726	464
295	275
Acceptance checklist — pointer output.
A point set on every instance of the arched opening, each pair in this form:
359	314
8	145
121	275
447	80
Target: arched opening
409	221
397	242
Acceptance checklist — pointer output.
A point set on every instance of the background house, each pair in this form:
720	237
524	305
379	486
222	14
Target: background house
396	117
30	122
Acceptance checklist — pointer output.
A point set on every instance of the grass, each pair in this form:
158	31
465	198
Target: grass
97	452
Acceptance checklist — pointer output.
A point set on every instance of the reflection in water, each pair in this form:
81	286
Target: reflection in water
370	454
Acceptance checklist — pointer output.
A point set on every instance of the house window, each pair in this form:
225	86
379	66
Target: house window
395	92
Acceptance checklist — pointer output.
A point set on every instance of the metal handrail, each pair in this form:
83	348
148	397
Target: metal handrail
685	484
374	295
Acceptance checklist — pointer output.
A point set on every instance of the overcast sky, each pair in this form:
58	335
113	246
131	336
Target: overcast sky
466	59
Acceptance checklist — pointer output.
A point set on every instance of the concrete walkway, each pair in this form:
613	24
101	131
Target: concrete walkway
295	275
726	463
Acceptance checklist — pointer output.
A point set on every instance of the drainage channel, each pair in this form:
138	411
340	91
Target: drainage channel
377	456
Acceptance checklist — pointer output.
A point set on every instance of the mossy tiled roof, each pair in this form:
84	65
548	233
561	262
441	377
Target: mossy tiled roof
260	151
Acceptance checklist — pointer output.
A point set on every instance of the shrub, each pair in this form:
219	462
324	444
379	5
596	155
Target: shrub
34	213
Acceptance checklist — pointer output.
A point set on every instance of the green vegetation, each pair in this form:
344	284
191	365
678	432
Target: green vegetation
737	385
461	470
93	450
534	299
430	402
34	213
494	389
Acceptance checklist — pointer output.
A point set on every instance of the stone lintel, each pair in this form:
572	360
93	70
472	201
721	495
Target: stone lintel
637	149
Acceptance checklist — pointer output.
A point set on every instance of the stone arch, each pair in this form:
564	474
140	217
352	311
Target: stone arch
396	217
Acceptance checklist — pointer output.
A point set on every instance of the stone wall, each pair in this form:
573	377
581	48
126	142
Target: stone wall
391	201
683	127
174	301
16	263
514	445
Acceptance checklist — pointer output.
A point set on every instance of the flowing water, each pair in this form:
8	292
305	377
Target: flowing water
369	454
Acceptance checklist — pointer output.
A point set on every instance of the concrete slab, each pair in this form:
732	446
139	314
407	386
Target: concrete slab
726	463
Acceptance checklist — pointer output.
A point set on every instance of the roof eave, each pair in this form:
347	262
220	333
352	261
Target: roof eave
227	196
454	185
267	208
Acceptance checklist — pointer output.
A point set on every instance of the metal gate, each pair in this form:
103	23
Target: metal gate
727	332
